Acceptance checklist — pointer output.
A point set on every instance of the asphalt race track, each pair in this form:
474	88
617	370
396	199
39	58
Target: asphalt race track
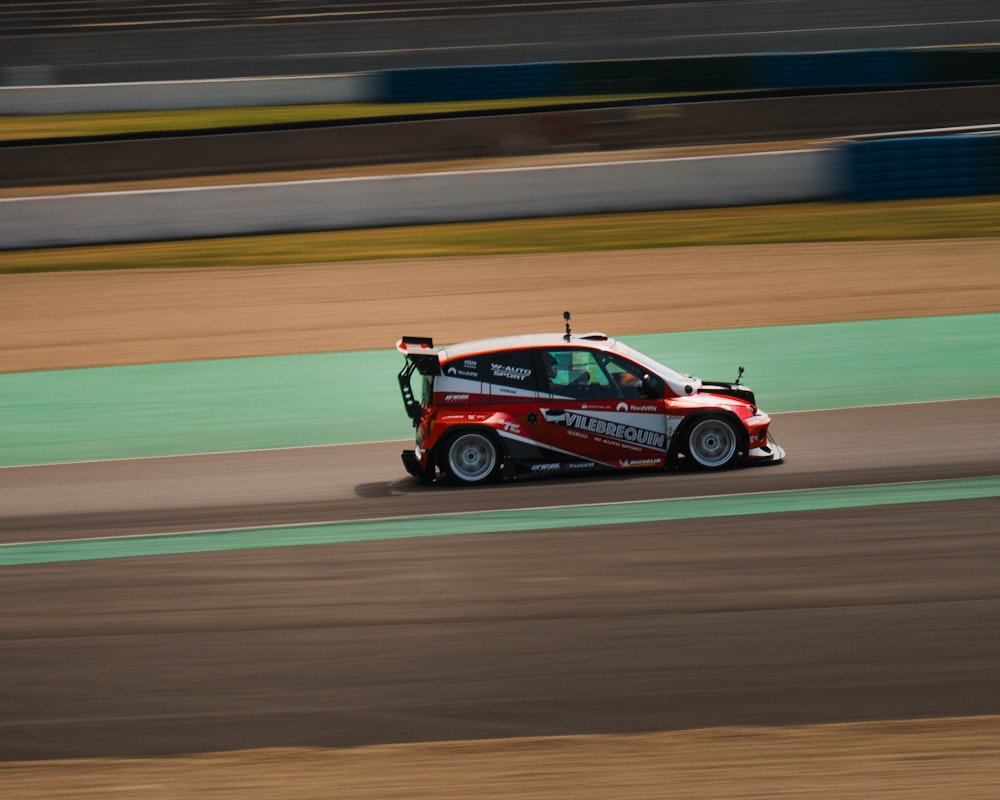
380	35
855	614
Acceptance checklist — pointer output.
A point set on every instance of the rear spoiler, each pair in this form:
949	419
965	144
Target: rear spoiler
419	351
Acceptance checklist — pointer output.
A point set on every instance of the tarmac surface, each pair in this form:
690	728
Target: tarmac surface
780	619
857	614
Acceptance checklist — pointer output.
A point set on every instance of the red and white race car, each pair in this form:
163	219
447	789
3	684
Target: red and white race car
562	403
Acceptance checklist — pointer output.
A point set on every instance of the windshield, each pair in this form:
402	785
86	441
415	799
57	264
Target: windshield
677	381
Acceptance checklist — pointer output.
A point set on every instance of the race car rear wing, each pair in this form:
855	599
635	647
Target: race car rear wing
421	357
419	350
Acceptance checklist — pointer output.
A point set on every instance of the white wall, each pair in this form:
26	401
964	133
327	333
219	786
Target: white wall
161	95
753	179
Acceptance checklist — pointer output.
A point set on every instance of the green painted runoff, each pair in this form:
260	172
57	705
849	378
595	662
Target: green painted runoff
336	398
483	522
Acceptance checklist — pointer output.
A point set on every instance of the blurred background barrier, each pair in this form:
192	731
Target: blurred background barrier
955	164
178	95
770	72
717	73
724	73
488	82
678	75
933	165
699	72
490	134
154	215
850	68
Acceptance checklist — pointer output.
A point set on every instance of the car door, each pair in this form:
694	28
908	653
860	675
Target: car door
512	382
594	407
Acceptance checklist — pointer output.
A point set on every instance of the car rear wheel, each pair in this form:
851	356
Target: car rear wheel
471	457
712	442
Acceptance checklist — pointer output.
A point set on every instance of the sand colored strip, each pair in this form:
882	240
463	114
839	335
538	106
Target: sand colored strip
909	760
65	320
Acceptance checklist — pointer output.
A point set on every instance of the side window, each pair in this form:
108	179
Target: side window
511	375
626	376
464	368
578	374
459	381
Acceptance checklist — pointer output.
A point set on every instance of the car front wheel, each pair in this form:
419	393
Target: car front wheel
712	442
471	457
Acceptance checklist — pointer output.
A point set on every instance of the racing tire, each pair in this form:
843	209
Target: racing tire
471	457
712	442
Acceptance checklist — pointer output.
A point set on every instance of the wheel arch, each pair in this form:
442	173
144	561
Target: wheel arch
442	448
681	435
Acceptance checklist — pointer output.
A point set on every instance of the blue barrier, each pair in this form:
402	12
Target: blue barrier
921	166
835	69
491	82
764	71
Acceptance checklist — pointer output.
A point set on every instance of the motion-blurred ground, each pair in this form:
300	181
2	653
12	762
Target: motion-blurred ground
86	319
910	760
60	320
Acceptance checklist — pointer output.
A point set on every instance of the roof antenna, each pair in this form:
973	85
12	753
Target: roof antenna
568	334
